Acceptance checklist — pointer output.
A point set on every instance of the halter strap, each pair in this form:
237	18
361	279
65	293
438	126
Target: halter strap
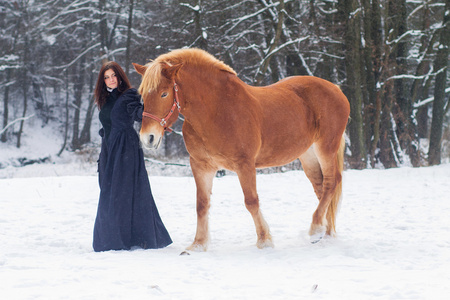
163	121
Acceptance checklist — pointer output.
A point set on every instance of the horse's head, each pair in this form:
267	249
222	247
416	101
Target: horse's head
161	106
157	88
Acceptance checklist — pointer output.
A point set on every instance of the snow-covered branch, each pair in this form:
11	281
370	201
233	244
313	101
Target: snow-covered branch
194	8
247	17
296	41
15	121
407	76
428	100
409	32
78	57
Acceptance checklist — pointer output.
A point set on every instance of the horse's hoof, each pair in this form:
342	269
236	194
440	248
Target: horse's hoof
197	247
265	244
185	253
315	238
316	233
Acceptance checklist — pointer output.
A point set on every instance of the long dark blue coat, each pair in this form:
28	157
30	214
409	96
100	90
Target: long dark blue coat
127	215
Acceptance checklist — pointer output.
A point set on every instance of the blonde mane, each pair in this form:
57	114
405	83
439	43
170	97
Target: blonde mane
193	56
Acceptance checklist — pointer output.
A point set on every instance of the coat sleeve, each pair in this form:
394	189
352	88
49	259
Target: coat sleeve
134	105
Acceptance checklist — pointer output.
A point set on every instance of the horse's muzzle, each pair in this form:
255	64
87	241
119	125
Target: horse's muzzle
151	141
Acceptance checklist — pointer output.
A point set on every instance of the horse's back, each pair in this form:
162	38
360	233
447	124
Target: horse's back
297	112
313	90
317	97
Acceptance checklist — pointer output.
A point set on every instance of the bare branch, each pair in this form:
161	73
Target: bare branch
15	121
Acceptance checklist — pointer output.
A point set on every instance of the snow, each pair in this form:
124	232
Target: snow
195	8
9	57
393	235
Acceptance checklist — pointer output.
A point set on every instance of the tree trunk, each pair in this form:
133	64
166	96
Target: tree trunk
24	81
370	82
352	86
376	37
200	39
397	125
326	64
440	66
388	154
388	142
78	94
103	31
128	46
420	86
9	73
66	125
275	41
6	105
85	136
403	110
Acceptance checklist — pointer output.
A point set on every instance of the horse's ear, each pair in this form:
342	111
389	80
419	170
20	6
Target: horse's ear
170	71
140	69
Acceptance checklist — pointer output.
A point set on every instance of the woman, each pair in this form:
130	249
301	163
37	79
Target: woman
127	215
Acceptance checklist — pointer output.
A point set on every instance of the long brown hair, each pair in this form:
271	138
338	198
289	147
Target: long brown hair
100	93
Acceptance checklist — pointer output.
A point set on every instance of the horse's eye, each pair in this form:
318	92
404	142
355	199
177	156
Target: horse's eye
164	95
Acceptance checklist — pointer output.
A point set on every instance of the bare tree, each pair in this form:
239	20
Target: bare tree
440	66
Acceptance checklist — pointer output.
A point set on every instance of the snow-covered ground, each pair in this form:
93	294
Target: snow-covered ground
393	239
393	235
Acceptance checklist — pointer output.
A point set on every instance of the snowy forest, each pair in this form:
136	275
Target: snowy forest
390	58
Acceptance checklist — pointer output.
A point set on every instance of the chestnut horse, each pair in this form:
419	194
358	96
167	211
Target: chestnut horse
231	125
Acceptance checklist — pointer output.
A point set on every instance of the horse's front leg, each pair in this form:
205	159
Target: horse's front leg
203	175
247	178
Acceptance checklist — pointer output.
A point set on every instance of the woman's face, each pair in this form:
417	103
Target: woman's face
111	79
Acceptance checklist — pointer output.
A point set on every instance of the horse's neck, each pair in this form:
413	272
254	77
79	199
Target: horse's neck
200	98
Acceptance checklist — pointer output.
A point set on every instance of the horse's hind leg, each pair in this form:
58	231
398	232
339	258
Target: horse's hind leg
203	175
311	167
313	171
247	179
322	170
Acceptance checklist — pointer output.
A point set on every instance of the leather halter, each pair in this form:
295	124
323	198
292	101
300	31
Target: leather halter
163	121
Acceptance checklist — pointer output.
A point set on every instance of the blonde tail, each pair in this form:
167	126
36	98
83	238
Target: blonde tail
337	195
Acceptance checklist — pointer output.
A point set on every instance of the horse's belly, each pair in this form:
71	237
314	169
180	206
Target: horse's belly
280	155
